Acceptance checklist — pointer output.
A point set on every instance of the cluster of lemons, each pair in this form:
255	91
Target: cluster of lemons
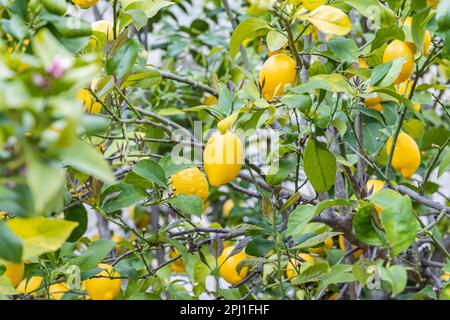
105	285
223	154
406	157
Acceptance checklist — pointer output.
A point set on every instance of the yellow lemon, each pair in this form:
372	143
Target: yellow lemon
227	266
397	49
406	157
190	181
294	265
32	285
14	271
178	265
90	105
327	244
227	207
432	3
104	288
84	3
445	276
275	73
334	296
356	254
119	248
104	26
376	186
141	218
404	88
210	100
223	158
56	291
373	103
426	41
272	53
362	63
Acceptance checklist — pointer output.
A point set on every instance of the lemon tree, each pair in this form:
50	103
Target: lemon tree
224	149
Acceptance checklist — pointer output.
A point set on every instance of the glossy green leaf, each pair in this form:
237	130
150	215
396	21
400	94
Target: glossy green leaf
247	29
10	245
319	165
399	221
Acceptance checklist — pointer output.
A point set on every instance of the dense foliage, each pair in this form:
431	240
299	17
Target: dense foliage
328	178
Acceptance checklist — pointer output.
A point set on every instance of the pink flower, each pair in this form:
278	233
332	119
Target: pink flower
59	66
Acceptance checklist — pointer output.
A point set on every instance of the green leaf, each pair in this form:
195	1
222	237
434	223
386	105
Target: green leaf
144	296
275	40
344	49
445	164
392	93
396	277
124	59
279	172
291	201
443	15
313	273
414	128
87	159
64	27
40	173
94	254
339	273
138	17
398	219
418	27
151	171
57	7
374	10
6	286
330	82
445	292
188	204
364	270
77	214
172	165
384	34
41	235
384	75
47	47
17	201
258	247
437	136
143	79
365	230
331	203
311	242
10	245
120	196
299	218
320	166
150	7
426	293
247	29
302	102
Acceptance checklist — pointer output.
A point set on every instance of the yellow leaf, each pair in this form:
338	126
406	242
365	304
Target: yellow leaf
41	235
312	4
330	20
